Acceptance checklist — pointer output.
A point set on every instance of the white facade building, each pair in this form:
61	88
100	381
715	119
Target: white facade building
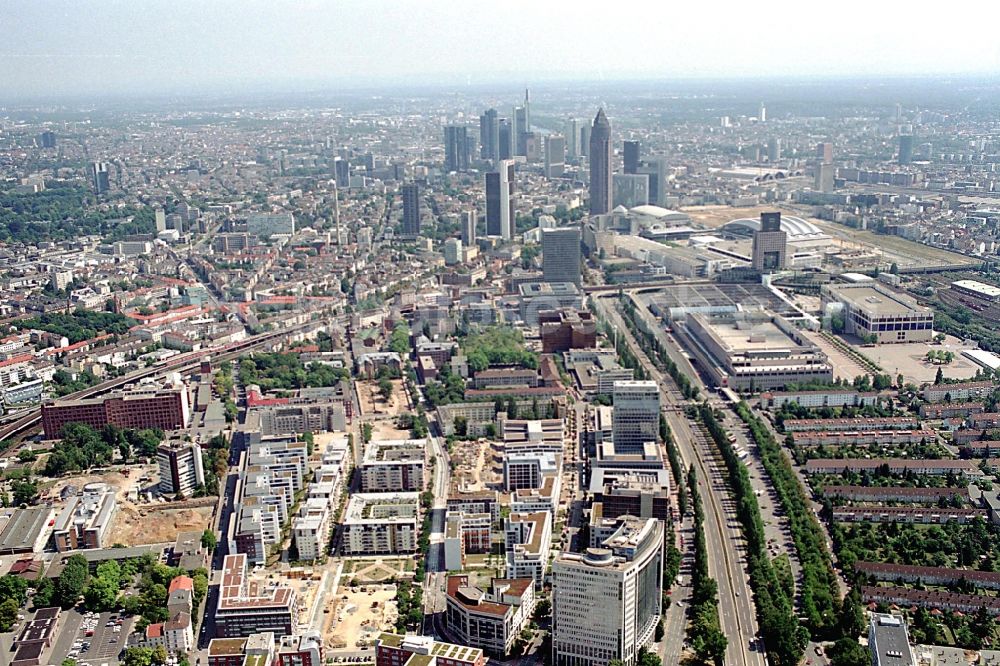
606	602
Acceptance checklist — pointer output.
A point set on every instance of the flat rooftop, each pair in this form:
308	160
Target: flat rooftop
877	299
23	529
747	336
988	290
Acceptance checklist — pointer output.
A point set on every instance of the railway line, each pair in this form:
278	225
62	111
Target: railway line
31	422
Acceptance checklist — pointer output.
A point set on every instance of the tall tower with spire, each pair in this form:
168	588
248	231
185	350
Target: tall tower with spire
600	165
527	112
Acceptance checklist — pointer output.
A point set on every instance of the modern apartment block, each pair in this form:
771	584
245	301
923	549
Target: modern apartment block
413	650
393	466
527	538
254	650
273	472
889	641
606	602
528	469
146	406
244	609
636	416
181	467
381	524
489	619
86	518
632	492
311	529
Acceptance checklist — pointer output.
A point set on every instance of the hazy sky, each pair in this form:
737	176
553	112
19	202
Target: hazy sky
58	47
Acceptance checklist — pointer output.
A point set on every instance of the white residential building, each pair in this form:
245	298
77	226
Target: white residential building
527	539
381	523
394	466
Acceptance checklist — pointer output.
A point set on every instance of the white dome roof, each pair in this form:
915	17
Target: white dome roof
655	211
795	227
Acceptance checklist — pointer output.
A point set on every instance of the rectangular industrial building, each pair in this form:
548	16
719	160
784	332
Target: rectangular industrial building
870	309
752	351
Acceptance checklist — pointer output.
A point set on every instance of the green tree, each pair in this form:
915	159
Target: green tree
938	377
44	593
71	582
138	656
208	540
8	614
25	491
14	587
852	616
848	652
101	595
385	388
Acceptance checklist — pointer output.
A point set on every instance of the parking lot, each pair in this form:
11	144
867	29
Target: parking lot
106	639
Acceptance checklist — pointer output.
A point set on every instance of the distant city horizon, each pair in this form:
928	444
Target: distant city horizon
890	88
119	48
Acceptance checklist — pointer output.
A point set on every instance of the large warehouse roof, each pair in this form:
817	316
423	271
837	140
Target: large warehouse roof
795	227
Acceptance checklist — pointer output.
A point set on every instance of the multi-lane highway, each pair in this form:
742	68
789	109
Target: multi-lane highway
726	557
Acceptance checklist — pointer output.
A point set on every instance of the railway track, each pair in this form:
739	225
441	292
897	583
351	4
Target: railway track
31	422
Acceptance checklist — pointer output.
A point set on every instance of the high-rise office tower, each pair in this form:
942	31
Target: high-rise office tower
161	220
585	139
636	418
905	148
825	176
368	161
47	139
606	601
489	135
561	254
411	209
600	165
630	154
825	169
505	135
469	220
571	131
824	152
100	177
770	244
656	168
500	201
522	123
762	113
456	148
527	112
773	149
555	155
629	190
898	115
342	172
